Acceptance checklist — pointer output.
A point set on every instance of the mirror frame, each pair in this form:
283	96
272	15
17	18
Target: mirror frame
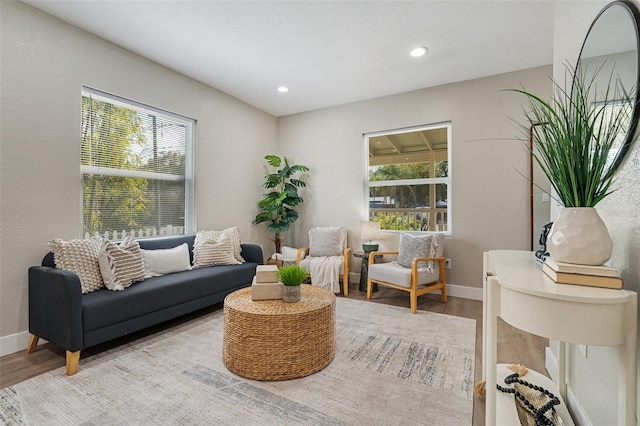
634	14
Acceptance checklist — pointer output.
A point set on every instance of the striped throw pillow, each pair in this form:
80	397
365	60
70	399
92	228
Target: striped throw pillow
81	257
121	265
214	248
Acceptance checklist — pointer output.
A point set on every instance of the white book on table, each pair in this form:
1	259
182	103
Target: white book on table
572	268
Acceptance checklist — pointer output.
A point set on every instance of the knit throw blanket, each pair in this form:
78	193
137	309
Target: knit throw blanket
325	272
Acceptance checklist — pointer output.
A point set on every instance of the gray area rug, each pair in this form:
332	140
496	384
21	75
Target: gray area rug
390	368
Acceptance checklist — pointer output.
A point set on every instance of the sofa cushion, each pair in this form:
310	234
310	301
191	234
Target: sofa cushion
120	264
81	257
104	308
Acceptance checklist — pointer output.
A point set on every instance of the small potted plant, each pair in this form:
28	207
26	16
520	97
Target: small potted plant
291	277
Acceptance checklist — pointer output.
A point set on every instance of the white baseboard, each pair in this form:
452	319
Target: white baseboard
16	343
463	291
578	414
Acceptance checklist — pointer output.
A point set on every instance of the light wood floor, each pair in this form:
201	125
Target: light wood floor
514	346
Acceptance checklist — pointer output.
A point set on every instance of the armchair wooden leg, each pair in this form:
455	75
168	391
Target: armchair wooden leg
72	362
369	287
345	283
444	293
33	344
414	302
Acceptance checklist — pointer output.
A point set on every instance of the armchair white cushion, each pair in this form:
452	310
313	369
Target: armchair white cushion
400	275
425	274
327	242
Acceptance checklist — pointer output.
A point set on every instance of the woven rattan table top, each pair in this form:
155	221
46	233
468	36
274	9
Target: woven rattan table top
312	298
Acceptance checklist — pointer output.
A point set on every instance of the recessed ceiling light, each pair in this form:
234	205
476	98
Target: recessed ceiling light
283	89
419	51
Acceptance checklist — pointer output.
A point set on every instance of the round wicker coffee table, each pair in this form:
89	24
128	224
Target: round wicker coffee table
275	340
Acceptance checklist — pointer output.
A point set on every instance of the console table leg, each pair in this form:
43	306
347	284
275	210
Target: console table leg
493	303
485	274
562	369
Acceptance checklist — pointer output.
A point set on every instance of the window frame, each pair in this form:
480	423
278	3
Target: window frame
421	181
189	168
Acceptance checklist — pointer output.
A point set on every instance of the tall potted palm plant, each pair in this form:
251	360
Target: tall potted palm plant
277	205
578	142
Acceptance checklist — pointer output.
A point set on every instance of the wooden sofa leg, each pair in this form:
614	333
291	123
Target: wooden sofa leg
33	344
72	362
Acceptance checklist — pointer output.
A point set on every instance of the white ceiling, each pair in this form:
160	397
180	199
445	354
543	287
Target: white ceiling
327	52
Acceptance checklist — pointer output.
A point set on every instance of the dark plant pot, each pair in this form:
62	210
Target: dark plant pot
290	293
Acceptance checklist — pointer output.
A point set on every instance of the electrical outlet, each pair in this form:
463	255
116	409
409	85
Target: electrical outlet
447	264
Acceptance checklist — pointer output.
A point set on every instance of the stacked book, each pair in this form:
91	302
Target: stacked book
265	285
592	276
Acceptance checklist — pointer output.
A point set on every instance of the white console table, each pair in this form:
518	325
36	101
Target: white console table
516	289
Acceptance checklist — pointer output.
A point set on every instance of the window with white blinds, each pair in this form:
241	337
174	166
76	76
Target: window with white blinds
136	165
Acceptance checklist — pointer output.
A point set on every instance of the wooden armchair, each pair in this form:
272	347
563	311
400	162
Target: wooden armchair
416	280
318	247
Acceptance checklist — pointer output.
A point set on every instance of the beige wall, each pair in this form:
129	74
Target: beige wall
44	64
593	379
490	204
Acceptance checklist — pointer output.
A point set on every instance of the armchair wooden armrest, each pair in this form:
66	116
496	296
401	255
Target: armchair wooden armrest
441	262
347	260
299	254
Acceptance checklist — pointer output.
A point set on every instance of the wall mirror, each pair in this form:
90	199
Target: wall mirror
611	44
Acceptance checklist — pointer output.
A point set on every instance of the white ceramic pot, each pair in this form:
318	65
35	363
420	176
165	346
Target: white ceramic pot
579	236
291	293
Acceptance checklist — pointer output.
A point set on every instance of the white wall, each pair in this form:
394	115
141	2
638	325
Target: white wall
44	64
593	379
490	197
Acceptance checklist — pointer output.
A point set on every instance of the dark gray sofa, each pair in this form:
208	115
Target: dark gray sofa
61	314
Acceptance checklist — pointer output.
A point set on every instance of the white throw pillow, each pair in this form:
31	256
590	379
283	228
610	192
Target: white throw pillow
81	257
325	241
290	253
201	258
121	265
412	246
165	261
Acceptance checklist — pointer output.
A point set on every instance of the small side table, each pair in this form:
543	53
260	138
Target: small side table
364	269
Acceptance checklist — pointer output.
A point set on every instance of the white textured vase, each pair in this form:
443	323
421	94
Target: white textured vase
579	236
